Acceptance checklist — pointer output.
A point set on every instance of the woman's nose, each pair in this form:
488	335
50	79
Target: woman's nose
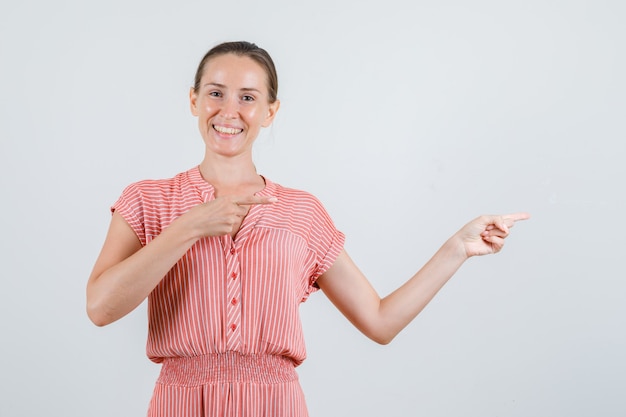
230	107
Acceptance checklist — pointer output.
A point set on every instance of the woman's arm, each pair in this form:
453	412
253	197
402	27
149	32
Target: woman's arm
125	272
382	319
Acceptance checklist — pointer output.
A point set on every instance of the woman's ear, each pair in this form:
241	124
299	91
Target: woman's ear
193	101
271	113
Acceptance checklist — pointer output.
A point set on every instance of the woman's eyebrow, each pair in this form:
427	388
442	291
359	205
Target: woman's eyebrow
218	85
214	85
251	89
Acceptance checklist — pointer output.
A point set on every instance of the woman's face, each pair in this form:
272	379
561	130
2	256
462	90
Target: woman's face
232	104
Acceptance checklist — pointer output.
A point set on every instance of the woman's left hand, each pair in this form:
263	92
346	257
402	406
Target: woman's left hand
485	234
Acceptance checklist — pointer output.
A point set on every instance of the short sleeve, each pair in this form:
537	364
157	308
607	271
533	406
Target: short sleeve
325	241
130	206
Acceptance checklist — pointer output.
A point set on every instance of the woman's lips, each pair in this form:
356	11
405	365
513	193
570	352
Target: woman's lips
227	130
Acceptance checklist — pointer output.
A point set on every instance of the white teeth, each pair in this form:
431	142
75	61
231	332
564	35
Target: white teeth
227	130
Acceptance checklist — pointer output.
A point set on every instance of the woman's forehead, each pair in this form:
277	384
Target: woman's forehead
233	71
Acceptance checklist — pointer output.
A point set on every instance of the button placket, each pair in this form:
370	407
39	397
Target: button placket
233	304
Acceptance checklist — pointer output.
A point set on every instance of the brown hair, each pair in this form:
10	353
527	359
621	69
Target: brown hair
247	49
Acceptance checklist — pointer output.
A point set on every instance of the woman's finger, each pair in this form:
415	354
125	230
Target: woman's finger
254	199
510	219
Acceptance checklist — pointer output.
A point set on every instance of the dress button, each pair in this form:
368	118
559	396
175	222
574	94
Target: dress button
233	327
233	275
233	301
232	251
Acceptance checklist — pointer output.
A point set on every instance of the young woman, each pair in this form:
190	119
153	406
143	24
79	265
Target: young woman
225	257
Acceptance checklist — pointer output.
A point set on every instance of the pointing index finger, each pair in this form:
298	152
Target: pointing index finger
515	217
254	199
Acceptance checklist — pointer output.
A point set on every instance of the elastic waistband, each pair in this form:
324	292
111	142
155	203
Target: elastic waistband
227	367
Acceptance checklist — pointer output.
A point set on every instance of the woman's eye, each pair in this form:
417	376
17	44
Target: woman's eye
215	94
247	98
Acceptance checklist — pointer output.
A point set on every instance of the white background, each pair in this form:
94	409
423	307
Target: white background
406	119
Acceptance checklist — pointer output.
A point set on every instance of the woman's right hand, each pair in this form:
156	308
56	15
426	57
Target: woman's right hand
223	215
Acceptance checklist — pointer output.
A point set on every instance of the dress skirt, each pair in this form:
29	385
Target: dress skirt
228	385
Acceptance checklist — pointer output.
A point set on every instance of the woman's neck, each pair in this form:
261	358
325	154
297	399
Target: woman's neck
231	175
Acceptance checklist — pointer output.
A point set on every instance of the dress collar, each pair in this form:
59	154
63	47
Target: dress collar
207	191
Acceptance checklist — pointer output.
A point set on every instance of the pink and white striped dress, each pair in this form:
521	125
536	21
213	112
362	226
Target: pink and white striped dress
224	321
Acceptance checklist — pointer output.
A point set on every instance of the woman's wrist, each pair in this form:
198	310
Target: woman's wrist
456	248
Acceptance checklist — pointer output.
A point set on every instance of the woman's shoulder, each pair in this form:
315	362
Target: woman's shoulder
294	195
299	210
161	183
159	189
294	201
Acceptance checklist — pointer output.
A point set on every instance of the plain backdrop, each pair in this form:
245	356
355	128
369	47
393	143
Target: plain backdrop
407	119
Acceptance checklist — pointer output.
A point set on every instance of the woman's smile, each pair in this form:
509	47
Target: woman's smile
227	130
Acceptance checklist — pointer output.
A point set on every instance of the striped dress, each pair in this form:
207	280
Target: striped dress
224	321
